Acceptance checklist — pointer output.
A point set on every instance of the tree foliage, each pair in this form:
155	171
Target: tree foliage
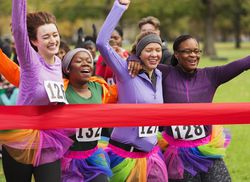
230	17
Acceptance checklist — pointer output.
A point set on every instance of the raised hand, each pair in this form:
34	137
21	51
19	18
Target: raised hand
125	2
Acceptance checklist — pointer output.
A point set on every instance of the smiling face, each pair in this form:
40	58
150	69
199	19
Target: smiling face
81	68
151	56
116	37
47	40
188	55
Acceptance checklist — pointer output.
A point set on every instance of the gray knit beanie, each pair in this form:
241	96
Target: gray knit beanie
69	56
150	38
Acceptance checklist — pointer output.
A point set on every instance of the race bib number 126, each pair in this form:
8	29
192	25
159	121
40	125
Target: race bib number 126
55	91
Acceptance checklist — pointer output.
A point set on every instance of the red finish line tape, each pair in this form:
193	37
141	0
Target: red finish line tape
111	115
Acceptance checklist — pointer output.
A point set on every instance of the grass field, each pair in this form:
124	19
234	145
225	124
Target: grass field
237	90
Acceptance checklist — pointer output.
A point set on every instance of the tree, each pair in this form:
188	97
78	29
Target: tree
238	11
209	17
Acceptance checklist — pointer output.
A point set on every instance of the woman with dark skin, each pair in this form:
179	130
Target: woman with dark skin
84	161
185	83
104	70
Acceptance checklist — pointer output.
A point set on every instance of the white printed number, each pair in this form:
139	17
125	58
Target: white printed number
88	134
147	131
192	132
55	91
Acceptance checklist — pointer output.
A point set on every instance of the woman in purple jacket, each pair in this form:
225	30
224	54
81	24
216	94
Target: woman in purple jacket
132	150
194	153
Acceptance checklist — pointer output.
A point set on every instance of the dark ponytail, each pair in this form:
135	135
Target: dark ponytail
173	60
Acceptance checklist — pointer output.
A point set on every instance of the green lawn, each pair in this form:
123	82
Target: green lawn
237	90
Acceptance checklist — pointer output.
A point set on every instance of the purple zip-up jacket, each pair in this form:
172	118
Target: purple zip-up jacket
130	90
34	69
200	86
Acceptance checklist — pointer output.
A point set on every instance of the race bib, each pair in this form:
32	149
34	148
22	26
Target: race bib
88	134
192	132
55	91
148	131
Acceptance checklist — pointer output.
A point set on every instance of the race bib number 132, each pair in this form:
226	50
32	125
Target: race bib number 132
88	134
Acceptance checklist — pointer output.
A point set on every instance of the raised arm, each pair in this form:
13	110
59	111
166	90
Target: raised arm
24	50
118	65
229	71
9	69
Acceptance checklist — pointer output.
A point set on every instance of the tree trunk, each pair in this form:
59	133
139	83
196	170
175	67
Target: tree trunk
237	23
237	31
209	16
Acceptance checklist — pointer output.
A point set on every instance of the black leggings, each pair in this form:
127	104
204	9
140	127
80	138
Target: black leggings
100	178
217	173
18	172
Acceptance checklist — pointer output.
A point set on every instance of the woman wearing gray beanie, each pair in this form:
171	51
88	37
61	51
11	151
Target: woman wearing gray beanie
132	150
80	161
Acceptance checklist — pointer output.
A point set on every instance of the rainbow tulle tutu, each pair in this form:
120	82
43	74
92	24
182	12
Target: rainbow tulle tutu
137	166
36	147
193	156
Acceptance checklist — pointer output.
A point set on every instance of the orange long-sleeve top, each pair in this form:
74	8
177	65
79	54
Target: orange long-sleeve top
11	71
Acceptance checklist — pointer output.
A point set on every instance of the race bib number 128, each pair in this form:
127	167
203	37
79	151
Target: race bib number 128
192	132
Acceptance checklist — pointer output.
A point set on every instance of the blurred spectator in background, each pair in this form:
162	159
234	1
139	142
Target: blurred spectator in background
63	49
116	42
8	93
152	24
5	45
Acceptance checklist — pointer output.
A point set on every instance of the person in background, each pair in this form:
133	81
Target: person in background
5	45
63	49
93	36
8	93
151	23
91	47
104	70
133	152
80	37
